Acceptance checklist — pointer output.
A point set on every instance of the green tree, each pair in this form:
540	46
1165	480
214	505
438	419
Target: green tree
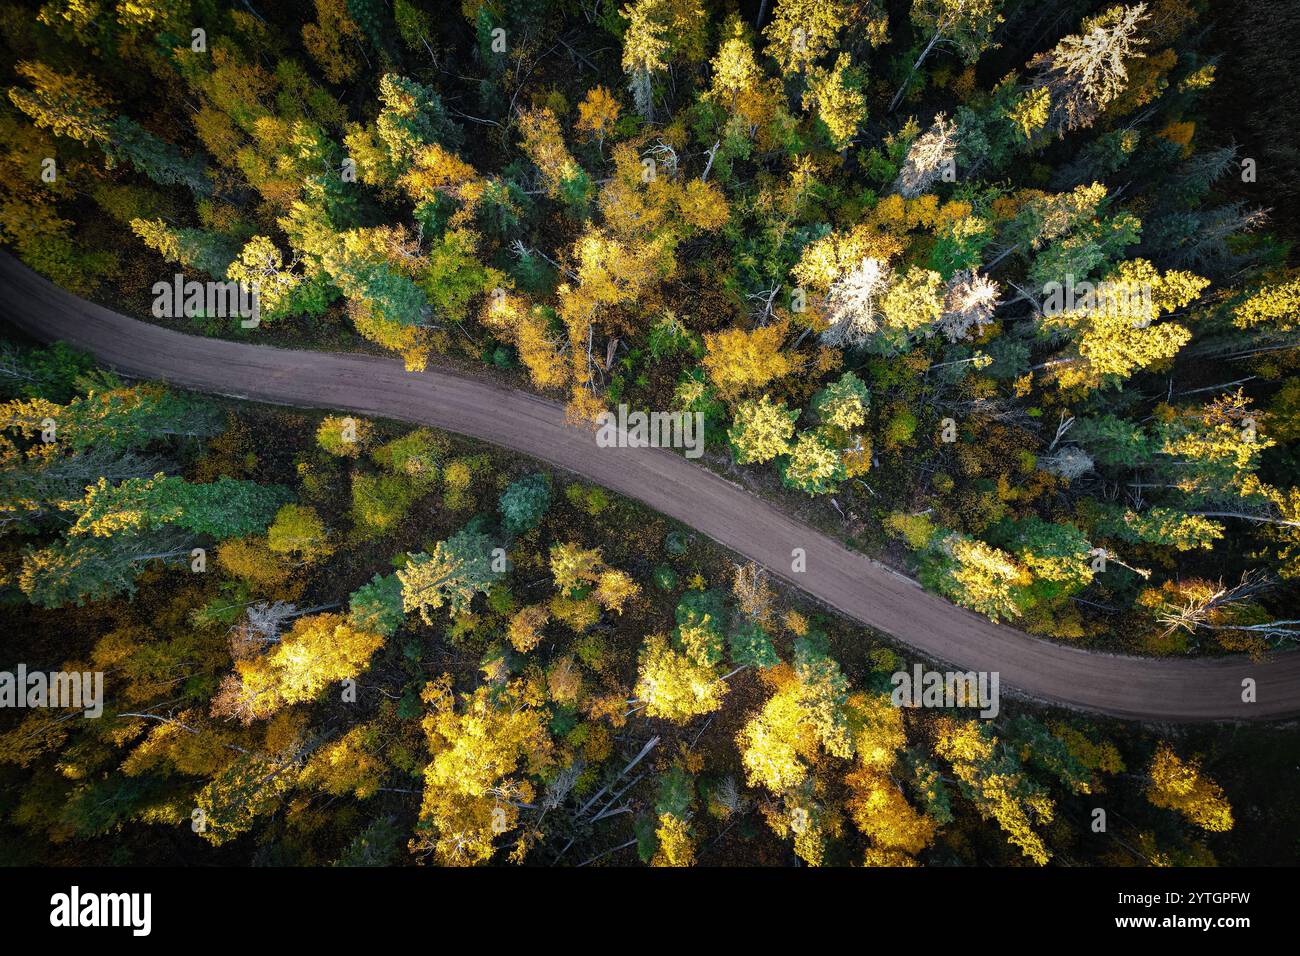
459	568
524	503
226	508
80	569
377	606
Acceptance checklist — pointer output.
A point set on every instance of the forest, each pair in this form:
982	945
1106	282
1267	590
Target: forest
1000	293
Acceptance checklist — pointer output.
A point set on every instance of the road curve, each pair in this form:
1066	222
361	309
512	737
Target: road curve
1172	690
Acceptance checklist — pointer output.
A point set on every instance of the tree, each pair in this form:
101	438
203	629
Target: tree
753	593
1179	785
738	361
812	466
260	266
701	620
412	117
331	38
544	144
930	154
802	32
992	777
1116	333
674	844
458	569
343	436
319	650
1271	308
50	372
192	248
299	530
1167	527
673	685
486	748
414	25
880	810
761	430
806	716
842	406
964	25
853	303
976	575
597	114
614	588
226	508
81	569
1086	71
380	502
750	645
377	607
657	32
836	93
573	567
524	503
525	629
73	106
739	84
969	301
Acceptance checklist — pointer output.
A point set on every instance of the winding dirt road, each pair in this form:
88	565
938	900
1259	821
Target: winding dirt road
1182	690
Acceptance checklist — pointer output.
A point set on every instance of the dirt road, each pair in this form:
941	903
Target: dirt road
1179	690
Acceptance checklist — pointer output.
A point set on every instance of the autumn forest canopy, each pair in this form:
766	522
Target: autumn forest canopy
1001	293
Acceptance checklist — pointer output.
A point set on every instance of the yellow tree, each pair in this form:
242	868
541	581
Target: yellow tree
739	85
597	114
434	172
614	588
486	748
673	685
803	31
1273	308
511	316
994	780
736	73
658	31
835	93
333	39
260	265
543	142
573	566
298	530
1115	329
980	576
319	650
525	628
761	430
879	809
1178	784
804	716
738	361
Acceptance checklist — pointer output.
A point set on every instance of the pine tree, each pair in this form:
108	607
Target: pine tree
458	569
